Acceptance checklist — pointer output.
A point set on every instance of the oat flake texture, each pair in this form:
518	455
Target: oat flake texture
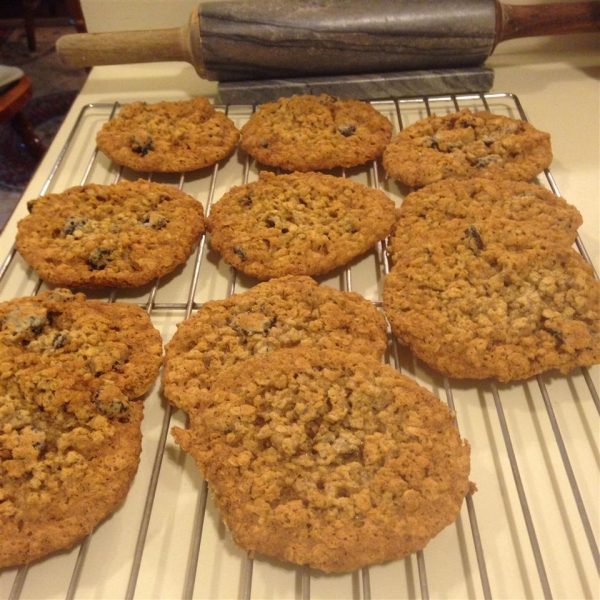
328	459
168	137
471	308
467	144
315	133
298	224
121	235
513	213
281	313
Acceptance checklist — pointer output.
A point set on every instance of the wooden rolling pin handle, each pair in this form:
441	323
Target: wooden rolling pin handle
547	19
128	47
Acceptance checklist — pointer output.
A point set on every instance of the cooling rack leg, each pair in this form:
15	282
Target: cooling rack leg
139	549
78	567
422	575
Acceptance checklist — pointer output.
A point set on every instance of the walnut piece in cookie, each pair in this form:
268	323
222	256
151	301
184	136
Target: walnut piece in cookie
312	133
168	137
120	235
328	459
467	144
298	224
280	313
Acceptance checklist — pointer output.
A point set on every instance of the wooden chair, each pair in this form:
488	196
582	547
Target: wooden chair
14	99
12	102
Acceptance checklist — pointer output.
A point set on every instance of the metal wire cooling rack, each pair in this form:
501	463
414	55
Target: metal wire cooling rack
530	531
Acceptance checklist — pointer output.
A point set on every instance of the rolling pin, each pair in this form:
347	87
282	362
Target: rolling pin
241	40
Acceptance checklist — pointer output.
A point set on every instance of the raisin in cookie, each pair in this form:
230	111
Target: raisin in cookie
120	235
298	224
513	212
470	308
68	454
312	133
328	459
168	136
280	313
111	343
467	144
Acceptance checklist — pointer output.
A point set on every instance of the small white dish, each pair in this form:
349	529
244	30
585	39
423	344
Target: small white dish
8	75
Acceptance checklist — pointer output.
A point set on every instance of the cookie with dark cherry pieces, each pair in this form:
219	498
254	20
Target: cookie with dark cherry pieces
467	144
168	136
121	235
315	133
298	224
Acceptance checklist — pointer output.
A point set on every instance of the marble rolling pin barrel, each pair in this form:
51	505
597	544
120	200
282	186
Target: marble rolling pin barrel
315	42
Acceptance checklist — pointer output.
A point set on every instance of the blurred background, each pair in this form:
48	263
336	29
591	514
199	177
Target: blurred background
28	33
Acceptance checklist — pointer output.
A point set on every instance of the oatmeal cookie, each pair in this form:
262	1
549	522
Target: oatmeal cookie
168	137
112	343
328	459
511	212
298	224
313	133
68	454
470	308
120	235
280	313
467	144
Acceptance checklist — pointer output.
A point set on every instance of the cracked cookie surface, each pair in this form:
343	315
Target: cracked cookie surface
467	144
328	459
470	308
298	224
280	313
510	212
312	133
168	137
120	235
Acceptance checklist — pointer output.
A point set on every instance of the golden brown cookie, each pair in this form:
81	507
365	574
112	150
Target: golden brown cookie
328	459
120	235
298	224
113	343
280	313
68	454
470	308
511	212
467	144
168	137
313	133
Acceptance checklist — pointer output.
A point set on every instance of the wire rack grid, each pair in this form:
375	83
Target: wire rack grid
530	531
